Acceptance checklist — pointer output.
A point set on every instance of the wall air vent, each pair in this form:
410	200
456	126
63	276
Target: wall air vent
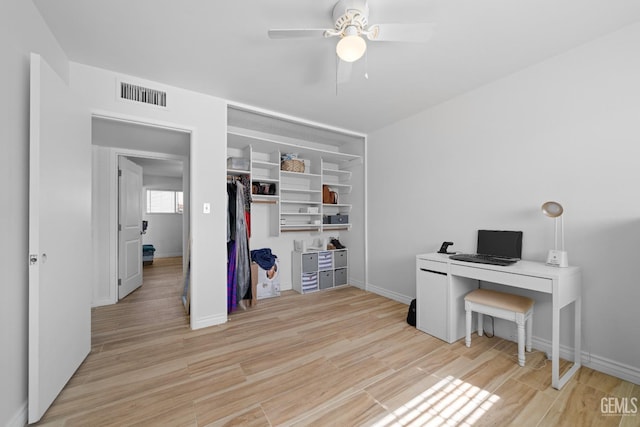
143	94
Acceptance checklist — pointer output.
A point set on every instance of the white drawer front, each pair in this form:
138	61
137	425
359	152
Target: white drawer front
517	280
440	267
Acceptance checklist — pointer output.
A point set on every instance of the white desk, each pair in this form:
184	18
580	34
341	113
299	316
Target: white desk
441	284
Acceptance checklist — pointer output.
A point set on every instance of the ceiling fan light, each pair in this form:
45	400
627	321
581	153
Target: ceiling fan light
351	48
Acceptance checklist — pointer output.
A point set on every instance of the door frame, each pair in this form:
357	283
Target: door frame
114	153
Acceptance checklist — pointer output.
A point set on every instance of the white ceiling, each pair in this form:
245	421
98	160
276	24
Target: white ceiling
159	167
221	48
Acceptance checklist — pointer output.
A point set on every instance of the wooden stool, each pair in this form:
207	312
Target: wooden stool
504	306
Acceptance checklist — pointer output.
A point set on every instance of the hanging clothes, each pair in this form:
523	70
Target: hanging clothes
238	256
243	257
232	298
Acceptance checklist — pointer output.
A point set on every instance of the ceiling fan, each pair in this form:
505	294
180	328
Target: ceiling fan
351	19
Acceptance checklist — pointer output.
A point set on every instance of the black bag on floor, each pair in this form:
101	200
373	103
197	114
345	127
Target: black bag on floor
411	316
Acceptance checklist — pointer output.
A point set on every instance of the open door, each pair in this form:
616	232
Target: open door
130	226
59	236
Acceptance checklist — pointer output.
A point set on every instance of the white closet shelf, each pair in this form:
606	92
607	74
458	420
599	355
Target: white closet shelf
300	190
299	174
301	202
299	214
241	138
237	172
265	197
337	172
266	165
335	205
300	227
336	226
263	179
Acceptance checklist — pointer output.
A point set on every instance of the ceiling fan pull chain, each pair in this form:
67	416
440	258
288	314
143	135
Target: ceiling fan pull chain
366	65
337	65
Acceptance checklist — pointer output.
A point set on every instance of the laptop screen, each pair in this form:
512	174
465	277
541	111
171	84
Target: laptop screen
506	244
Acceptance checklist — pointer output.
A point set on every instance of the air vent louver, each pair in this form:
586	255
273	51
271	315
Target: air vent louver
143	94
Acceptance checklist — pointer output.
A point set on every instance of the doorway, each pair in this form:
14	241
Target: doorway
159	150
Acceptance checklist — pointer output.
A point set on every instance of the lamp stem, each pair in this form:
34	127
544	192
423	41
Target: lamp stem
562	232
555	234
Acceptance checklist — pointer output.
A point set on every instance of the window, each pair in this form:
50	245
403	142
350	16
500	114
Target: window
164	201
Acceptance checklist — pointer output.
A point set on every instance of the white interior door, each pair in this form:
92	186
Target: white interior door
130	226
59	236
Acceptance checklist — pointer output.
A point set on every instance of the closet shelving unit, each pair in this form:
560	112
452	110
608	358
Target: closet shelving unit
338	181
298	197
264	170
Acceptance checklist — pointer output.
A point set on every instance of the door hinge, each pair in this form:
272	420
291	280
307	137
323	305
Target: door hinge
119	172
119	227
119	282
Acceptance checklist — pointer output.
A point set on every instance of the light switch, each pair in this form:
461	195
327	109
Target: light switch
206	208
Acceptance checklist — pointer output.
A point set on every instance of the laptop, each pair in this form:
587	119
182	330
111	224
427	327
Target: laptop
498	247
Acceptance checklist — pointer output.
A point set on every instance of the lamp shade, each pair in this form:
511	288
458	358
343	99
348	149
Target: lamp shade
552	209
351	46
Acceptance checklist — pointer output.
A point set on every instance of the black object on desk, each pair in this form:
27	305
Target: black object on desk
445	247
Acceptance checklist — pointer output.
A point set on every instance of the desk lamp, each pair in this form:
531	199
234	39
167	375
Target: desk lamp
556	257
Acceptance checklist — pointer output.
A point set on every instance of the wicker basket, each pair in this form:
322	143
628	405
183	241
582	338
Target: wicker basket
292	165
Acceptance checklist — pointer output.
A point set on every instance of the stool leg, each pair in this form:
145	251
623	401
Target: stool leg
529	330
520	322
480	324
467	338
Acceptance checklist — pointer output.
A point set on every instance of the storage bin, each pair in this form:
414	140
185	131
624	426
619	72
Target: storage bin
147	254
267	287
336	219
340	277
310	210
237	163
292	165
326	279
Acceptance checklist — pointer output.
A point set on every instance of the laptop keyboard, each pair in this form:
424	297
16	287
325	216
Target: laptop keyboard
483	259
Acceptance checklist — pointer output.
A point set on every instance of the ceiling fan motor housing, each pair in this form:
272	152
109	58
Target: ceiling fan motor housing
351	13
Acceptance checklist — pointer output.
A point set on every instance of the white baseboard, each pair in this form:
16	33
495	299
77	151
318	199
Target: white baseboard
20	418
205	322
597	363
102	302
167	255
389	294
356	283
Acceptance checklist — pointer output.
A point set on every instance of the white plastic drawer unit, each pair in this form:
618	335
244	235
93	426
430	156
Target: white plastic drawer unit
339	259
309	262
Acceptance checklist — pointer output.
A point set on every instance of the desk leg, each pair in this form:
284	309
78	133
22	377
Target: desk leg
555	344
577	340
558	382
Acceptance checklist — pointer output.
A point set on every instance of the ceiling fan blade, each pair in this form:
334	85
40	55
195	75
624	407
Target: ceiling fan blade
412	33
297	33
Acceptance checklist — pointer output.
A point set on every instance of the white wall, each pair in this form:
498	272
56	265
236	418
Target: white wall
21	31
567	129
165	230
205	117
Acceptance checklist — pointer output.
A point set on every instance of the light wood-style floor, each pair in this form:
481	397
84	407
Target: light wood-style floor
342	357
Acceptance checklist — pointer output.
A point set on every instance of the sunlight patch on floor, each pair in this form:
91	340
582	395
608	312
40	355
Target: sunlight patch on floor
450	402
